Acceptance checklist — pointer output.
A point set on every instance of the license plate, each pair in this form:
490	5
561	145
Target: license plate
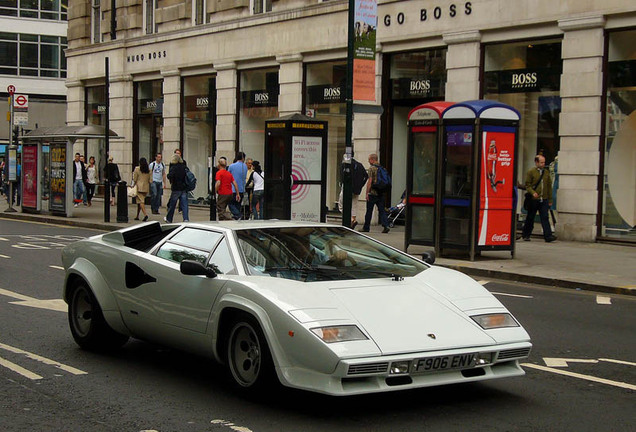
458	361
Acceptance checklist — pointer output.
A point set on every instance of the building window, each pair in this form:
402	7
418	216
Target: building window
96	18
261	6
619	171
32	55
39	9
149	16
199	12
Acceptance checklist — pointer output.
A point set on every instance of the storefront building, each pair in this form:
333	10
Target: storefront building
204	77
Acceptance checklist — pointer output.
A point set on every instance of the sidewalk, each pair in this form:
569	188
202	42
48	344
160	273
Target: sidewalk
586	266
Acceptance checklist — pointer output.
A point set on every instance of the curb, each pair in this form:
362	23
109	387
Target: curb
471	271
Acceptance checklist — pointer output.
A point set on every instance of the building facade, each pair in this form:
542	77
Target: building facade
204	75
32	44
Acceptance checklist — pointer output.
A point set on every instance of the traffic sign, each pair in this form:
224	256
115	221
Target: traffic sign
21	102
11	89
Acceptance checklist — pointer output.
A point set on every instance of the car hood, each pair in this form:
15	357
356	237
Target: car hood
405	316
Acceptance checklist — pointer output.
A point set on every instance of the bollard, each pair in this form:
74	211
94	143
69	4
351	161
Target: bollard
122	202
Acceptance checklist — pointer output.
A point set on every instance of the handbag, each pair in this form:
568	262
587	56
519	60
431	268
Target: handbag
132	191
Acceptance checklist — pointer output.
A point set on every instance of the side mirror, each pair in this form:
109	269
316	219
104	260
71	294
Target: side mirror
429	257
195	268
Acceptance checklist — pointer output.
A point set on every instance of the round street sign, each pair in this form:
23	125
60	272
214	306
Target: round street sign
21	101
11	90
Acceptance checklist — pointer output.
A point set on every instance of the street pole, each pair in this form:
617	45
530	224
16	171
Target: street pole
106	141
10	209
347	177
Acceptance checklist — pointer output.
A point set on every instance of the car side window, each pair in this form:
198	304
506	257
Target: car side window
221	259
178	253
191	244
197	238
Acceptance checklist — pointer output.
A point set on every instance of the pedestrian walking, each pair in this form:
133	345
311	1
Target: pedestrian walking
159	180
91	180
79	178
375	190
141	179
177	178
539	192
224	183
239	171
111	173
257	180
246	204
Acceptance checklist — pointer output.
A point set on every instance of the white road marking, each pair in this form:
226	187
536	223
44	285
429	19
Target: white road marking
581	376
55	304
57	267
4	256
3	239
563	362
19	369
44	360
618	362
512	295
603	300
483	282
231	425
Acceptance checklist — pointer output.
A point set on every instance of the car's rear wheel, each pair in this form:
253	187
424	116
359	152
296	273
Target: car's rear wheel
88	326
248	356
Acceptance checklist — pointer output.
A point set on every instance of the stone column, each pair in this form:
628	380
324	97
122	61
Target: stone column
463	65
121	122
171	111
226	106
290	80
580	127
75	106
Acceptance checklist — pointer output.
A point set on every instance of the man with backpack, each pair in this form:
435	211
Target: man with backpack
158	170
379	182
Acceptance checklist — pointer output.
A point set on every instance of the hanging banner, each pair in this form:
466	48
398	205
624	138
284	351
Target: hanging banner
58	178
365	27
496	186
29	176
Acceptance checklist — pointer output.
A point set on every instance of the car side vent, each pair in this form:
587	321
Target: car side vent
513	353
367	368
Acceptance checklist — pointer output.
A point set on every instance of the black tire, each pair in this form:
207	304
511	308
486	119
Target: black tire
248	357
88	326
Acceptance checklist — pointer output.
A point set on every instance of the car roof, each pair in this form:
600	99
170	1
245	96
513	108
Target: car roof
256	224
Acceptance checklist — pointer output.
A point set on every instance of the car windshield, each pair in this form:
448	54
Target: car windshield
321	253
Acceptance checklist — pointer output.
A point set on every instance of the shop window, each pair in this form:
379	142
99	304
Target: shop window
619	171
95	114
527	75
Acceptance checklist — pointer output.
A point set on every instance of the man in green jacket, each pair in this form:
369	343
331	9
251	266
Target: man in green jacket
539	185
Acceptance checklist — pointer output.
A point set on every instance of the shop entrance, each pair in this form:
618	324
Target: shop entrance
295	169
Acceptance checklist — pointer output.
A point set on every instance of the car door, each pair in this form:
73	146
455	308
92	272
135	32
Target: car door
180	301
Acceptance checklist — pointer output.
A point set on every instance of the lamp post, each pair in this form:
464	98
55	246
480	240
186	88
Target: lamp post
347	177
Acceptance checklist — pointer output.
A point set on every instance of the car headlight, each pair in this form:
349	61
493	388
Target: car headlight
496	320
339	333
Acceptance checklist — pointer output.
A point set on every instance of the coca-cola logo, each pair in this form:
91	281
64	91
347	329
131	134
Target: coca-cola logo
500	237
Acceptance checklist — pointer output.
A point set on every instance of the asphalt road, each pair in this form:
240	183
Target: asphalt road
48	384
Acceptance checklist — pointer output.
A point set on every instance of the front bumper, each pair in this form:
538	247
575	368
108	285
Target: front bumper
373	374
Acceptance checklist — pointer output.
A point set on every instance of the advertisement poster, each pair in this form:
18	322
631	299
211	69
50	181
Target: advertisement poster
58	178
29	176
496	186
305	206
13	165
365	27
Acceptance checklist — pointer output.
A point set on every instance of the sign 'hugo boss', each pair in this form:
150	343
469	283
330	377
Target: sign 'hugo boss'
261	97
202	102
420	86
331	93
528	79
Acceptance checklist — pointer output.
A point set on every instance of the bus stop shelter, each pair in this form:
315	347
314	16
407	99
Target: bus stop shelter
47	166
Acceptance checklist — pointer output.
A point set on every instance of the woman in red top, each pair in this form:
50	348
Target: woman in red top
223	188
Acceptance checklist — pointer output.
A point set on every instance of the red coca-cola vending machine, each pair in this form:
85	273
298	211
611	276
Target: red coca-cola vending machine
479	147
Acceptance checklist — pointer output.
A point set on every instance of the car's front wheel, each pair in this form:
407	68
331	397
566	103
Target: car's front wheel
88	326
248	356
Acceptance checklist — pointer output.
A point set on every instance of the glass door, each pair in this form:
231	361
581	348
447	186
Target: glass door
278	178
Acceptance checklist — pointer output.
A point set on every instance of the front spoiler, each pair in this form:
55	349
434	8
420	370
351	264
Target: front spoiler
377	378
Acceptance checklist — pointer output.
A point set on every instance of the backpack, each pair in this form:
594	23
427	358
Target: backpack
384	180
190	180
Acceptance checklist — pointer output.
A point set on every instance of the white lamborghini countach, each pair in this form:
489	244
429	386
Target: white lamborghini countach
315	306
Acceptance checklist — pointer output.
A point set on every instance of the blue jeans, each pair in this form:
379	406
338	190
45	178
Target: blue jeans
235	206
375	200
78	190
182	197
156	189
543	208
258	197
